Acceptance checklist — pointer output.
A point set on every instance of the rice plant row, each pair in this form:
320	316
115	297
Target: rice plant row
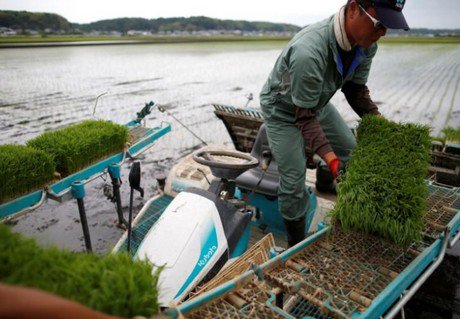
80	145
27	168
23	169
114	283
451	134
383	191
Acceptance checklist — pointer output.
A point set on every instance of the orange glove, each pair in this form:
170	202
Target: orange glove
336	166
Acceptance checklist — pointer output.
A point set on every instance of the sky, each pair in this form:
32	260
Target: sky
435	14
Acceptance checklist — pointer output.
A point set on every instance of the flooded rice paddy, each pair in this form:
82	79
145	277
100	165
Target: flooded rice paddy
44	89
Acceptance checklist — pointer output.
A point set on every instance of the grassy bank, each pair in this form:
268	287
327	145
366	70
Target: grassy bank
152	39
420	40
191	39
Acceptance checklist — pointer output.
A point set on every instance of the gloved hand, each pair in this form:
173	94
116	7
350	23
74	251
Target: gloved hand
337	167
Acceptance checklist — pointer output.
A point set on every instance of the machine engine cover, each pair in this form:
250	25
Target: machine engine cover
187	240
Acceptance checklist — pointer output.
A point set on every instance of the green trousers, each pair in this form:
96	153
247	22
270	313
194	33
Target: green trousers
287	146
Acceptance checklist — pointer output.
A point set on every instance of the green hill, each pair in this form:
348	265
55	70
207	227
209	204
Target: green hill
53	23
36	21
183	24
42	21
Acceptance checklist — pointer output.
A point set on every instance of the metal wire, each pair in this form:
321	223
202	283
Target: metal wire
255	255
249	302
442	205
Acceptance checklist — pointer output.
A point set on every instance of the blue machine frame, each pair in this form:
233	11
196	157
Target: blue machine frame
386	303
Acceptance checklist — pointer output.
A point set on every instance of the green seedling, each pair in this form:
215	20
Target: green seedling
451	134
80	145
383	191
114	283
23	170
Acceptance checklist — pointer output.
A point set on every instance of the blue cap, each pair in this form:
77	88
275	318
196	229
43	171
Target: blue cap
389	12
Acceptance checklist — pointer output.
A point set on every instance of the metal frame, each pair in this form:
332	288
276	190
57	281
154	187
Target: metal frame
241	280
22	205
416	273
387	304
406	295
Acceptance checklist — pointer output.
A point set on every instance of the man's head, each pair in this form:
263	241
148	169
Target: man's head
368	20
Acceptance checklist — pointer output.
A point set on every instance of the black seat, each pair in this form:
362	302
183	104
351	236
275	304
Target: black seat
249	179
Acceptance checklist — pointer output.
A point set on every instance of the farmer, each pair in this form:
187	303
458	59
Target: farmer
322	58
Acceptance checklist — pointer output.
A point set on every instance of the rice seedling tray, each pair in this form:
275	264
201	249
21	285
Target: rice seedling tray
23	169
77	146
445	164
452	140
383	190
61	188
242	125
139	140
337	274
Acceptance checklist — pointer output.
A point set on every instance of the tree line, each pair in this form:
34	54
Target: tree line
37	21
183	24
50	22
41	21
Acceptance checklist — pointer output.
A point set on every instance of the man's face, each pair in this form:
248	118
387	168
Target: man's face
364	33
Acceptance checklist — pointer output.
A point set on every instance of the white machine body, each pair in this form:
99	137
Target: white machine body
187	240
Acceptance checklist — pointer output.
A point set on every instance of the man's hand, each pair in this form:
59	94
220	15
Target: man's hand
21	302
337	167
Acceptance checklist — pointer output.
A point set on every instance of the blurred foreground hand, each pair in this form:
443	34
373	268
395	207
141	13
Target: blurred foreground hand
19	302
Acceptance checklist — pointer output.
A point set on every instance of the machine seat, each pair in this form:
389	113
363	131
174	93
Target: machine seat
249	179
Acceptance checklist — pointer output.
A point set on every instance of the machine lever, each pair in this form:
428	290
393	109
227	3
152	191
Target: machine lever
267	158
135	178
135	184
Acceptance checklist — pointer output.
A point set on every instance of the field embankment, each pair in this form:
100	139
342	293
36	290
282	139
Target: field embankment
24	41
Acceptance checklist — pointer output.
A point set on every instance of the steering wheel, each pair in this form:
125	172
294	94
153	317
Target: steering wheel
226	167
208	158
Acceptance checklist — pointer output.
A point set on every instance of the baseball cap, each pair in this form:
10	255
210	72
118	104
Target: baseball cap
389	12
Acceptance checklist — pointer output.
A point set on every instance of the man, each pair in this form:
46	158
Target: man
322	58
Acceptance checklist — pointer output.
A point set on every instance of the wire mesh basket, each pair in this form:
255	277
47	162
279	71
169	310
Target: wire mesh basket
443	203
340	275
256	255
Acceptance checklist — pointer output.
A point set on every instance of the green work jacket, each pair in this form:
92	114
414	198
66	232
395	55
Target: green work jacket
309	71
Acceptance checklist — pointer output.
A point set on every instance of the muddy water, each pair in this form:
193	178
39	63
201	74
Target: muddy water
47	88
43	89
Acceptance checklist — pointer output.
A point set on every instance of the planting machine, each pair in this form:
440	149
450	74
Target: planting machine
196	228
217	202
213	228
